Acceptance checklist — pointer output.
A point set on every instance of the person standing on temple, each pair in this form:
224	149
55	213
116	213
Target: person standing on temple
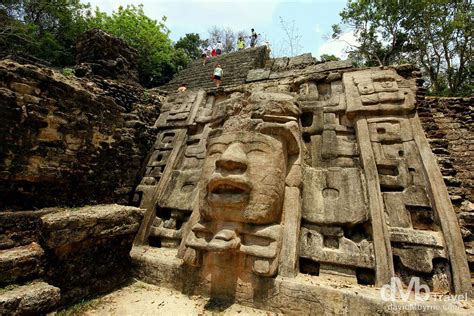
253	38
240	43
204	54
219	48
218	75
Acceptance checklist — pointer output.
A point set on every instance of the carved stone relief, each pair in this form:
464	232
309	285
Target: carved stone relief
243	183
328	177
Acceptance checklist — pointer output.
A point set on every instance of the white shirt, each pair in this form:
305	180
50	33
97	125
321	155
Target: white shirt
219	46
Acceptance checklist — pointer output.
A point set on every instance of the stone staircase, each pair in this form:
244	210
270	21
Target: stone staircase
235	65
22	266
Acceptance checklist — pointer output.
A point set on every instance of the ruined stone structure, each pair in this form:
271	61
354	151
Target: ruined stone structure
300	187
58	136
449	127
100	54
68	141
304	173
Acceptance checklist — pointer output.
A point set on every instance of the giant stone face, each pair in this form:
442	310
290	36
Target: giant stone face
243	178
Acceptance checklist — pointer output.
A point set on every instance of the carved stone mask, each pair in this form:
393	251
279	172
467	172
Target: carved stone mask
243	178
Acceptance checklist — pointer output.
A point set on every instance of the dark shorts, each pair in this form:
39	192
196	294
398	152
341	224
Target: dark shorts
203	55
217	77
218	51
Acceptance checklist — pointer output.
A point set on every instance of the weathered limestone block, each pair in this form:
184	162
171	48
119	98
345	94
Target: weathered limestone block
20	263
378	92
411	209
87	249
77	225
32	299
180	109
334	197
257	75
301	61
280	63
181	190
19	228
333	149
335	249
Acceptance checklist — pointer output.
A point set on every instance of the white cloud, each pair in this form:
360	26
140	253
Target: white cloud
338	47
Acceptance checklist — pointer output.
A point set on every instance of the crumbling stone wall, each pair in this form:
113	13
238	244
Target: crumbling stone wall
449	127
56	256
101	54
87	249
69	141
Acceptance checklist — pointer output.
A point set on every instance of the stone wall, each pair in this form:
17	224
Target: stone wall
70	141
99	53
67	253
449	127
235	66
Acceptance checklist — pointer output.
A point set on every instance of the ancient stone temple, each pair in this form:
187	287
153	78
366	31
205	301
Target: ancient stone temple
298	187
273	191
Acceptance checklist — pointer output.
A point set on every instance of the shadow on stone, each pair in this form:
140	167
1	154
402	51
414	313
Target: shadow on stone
218	304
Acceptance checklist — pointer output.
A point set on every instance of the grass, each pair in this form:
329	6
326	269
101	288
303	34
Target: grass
78	308
7	288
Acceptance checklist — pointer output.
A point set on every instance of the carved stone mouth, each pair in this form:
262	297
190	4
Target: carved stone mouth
226	191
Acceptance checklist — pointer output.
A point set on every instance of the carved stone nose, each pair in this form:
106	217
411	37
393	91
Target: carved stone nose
233	158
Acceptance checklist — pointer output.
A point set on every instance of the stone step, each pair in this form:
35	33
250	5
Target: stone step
36	298
236	66
19	228
21	263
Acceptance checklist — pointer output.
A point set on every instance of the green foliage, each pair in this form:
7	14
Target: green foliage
327	57
46	29
158	60
434	34
68	72
191	43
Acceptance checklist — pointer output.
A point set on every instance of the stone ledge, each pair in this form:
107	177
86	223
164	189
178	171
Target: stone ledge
20	262
19	228
302	295
32	299
101	221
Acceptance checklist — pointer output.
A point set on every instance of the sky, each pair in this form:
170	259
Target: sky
312	19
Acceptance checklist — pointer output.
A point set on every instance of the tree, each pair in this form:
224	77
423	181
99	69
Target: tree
292	39
441	34
327	57
158	59
43	28
434	34
191	43
227	36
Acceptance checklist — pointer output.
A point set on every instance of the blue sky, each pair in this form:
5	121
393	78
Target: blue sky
313	19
